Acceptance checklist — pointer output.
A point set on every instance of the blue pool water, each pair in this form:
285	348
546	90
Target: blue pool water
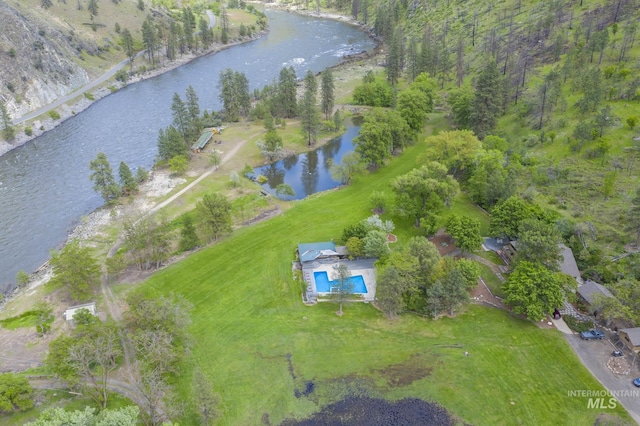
323	285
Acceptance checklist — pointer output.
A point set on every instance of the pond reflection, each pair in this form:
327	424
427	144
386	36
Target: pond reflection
308	173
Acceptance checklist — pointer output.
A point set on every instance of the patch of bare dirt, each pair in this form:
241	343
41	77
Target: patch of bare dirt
405	373
482	295
443	242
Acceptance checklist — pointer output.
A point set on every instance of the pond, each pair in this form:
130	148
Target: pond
309	172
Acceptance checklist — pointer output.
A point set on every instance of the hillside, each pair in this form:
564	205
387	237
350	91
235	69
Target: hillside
48	53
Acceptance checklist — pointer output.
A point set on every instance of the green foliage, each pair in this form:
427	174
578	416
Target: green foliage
188	236
214	211
327	88
283	190
22	278
28	131
465	231
381	133
102	178
171	144
534	290
234	94
632	122
147	241
378	200
487	100
456	149
375	94
25	319
204	399
76	269
460	101
271	146
16	393
178	165
355	247
54	115
128	183
413	107
125	416
44	318
577	325
538	243
350	166
447	292
427	189
375	244
8	131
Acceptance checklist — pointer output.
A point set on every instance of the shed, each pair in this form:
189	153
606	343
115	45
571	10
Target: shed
631	338
70	312
588	291
568	263
202	141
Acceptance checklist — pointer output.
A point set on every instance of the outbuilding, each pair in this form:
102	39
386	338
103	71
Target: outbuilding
631	338
70	312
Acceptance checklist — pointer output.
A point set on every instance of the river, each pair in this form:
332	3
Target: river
44	184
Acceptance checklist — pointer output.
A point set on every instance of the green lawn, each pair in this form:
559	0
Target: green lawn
248	316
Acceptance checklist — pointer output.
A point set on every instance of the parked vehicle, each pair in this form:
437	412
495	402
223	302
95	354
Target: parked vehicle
617	353
636	382
592	334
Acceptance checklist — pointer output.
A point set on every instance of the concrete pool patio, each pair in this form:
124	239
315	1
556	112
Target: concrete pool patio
362	267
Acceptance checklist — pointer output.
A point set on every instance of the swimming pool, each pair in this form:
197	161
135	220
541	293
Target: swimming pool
323	285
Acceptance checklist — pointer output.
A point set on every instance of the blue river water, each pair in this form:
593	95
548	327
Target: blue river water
44	185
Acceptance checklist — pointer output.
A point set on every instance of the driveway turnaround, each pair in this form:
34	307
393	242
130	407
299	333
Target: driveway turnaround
595	354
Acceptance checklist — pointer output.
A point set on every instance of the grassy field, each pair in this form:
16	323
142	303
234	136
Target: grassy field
248	318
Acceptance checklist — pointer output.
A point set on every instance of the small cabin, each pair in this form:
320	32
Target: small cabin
70	312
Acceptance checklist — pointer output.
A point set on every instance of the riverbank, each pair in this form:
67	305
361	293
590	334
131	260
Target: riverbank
82	101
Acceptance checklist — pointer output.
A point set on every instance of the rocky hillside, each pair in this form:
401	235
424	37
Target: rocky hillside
36	61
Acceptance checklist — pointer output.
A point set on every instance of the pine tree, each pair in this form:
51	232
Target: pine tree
487	100
309	116
128	183
180	115
287	103
8	132
102	177
328	97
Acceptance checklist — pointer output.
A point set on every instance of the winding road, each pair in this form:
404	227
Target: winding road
92	84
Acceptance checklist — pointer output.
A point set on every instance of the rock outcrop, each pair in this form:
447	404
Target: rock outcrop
36	61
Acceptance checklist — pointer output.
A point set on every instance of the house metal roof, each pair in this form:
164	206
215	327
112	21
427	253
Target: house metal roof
634	335
568	263
311	251
589	289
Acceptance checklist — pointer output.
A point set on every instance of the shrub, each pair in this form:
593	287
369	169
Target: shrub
12	53
28	131
577	325
55	115
89	96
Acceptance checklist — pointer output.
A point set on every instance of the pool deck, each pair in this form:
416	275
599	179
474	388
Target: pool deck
362	267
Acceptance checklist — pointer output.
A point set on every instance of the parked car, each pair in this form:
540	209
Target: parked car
617	353
592	334
636	382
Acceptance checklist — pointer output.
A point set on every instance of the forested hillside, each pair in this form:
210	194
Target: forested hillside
557	83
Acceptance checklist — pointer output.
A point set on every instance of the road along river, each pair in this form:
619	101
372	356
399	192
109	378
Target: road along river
44	184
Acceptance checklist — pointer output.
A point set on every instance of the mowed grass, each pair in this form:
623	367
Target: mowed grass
248	317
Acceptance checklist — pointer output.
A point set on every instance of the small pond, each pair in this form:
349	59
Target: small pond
308	173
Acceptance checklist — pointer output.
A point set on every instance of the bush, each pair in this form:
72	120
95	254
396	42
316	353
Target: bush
28	131
22	278
55	115
12	53
89	96
577	325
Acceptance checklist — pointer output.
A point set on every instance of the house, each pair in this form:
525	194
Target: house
568	263
70	312
631	338
311	252
587	292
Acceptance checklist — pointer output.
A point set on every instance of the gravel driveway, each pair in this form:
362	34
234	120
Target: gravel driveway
595	354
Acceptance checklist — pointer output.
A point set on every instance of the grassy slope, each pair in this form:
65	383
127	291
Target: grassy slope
248	315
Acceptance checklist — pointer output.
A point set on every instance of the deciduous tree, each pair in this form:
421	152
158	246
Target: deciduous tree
215	212
425	189
16	393
534	290
465	231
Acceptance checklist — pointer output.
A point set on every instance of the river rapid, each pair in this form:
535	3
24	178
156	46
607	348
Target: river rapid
44	185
